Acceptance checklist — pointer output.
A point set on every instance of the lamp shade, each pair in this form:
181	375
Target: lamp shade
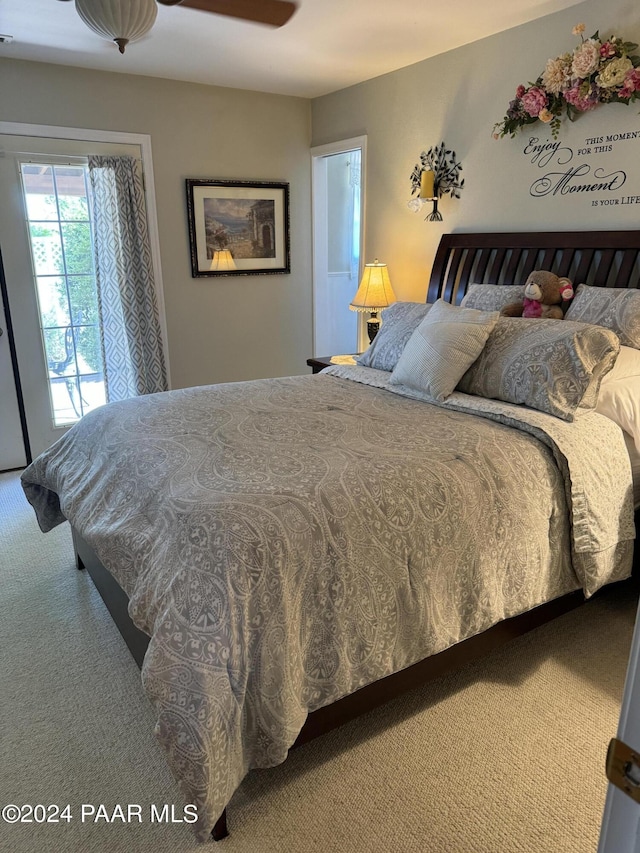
222	261
120	21
375	291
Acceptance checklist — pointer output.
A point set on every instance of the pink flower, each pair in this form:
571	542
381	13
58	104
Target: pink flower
607	49
534	100
631	84
581	102
520	91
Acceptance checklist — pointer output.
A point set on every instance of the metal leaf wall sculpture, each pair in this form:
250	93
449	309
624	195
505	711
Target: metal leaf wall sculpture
442	162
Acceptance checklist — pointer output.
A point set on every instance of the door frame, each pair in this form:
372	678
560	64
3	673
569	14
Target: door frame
620	828
143	140
319	219
4	296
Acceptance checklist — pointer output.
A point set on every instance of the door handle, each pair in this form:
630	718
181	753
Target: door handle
623	768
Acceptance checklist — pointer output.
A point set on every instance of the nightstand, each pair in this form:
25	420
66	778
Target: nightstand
320	362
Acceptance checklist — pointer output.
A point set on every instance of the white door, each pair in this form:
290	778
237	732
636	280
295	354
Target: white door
621	821
46	243
23	304
13	453
338	205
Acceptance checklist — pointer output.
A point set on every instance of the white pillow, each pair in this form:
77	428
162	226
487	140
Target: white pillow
619	397
626	365
442	348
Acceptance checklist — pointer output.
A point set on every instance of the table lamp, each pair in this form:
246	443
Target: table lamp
222	261
374	294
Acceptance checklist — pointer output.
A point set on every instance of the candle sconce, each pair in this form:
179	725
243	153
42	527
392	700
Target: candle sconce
436	174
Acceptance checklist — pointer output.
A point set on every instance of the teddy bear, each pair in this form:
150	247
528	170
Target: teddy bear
544	292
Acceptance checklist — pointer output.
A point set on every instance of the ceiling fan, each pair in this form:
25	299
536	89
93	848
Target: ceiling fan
123	21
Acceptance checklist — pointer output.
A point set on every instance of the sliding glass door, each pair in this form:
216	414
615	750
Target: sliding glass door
47	250
56	200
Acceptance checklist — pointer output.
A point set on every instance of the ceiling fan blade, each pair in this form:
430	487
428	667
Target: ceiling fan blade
273	12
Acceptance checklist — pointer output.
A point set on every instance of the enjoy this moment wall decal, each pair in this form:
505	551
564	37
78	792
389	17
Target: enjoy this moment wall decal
567	171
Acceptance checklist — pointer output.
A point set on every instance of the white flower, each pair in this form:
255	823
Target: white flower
586	58
614	72
557	74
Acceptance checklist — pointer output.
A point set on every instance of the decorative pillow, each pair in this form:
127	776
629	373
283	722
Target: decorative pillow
548	365
619	397
399	322
445	344
615	308
492	297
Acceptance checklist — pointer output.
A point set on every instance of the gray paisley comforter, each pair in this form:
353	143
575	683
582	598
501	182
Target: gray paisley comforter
285	542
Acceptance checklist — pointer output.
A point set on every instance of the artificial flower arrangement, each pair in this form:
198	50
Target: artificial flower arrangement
597	72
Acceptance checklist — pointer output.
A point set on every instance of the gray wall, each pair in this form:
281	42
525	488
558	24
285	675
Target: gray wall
258	326
457	97
221	329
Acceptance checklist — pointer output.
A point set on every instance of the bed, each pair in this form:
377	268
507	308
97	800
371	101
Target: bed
320	544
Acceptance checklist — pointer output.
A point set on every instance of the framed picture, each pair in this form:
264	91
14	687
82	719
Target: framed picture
238	227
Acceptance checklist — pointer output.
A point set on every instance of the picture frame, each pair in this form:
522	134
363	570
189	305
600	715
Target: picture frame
238	227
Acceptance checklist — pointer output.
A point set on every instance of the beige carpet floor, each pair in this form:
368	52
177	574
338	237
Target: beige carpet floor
505	756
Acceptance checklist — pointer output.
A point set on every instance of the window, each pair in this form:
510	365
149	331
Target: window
57	203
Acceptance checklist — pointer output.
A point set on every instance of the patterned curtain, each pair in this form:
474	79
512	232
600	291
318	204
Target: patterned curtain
129	323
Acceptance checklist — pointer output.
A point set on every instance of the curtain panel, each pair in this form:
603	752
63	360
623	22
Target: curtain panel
129	320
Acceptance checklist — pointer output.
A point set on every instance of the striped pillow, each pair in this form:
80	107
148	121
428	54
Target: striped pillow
442	348
399	322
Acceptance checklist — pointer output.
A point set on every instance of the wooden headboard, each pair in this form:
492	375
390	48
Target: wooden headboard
600	258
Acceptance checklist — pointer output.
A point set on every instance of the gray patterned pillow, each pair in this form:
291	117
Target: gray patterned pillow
399	322
492	297
615	308
444	345
555	366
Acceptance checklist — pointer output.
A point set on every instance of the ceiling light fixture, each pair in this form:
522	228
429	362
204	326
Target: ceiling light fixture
120	21
123	21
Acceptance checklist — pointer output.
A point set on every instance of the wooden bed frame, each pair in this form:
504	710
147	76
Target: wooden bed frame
600	258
